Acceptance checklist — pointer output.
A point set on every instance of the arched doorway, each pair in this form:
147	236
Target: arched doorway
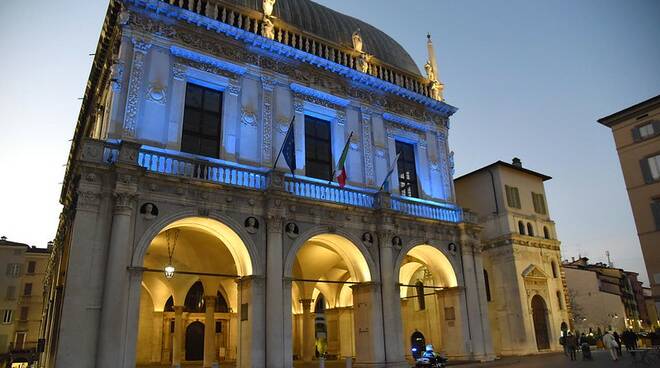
429	301
417	344
539	312
195	341
208	288
329	274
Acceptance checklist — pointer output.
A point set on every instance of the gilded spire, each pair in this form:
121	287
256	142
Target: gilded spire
432	71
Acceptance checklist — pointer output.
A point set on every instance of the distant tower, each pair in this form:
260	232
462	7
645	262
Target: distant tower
609	261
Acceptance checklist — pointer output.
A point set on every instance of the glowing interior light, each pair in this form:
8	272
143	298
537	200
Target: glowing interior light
169	271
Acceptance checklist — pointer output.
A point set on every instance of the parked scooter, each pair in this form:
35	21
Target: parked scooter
430	359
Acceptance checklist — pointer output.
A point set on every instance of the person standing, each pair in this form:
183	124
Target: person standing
610	344
570	342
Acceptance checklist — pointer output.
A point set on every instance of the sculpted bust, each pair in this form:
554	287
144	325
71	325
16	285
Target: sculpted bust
268	7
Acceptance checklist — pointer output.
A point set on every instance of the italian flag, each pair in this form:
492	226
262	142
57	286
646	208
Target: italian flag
341	165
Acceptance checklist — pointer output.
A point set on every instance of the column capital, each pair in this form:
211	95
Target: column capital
306	304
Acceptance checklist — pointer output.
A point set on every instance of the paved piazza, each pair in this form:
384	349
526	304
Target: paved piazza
550	360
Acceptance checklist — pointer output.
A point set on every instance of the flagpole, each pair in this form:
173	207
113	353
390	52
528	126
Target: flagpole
282	146
334	170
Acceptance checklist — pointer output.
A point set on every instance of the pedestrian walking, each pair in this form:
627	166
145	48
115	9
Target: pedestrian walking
618	343
585	347
571	345
610	344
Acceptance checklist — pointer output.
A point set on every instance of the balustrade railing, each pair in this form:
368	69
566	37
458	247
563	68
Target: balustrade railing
191	168
431	210
328	192
187	166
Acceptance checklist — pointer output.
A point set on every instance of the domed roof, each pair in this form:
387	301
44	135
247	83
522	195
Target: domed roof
337	27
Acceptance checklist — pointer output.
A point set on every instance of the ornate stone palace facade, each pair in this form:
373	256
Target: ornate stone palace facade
179	241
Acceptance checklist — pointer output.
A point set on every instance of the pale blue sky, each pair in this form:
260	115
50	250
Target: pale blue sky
530	79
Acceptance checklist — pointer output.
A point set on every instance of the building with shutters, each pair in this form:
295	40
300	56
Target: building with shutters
636	132
23	270
184	239
525	288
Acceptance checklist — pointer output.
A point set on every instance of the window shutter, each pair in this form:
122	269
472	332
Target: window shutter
508	195
655	208
516	195
656	127
646	171
636	136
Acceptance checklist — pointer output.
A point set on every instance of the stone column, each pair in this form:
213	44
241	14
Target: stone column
210	357
113	329
482	346
367	317
308	340
167	342
157	337
287	325
177	338
252	324
392	325
275	353
332	323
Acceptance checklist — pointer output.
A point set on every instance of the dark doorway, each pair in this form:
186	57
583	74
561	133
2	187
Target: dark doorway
418	344
195	341
540	323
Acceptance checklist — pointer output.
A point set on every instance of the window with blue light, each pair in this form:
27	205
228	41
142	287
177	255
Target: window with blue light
407	171
318	148
202	118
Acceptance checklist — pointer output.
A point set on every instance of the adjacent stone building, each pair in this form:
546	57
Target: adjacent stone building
605	297
183	238
525	292
636	132
23	270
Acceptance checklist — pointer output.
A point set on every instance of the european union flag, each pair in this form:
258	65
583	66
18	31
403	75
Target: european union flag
289	148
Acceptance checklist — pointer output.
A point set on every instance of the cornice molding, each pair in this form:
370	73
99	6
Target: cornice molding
320	95
204	59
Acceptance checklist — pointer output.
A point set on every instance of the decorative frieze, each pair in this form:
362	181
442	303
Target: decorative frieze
268	85
367	147
140	49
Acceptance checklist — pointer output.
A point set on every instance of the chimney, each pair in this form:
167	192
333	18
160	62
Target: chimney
516	162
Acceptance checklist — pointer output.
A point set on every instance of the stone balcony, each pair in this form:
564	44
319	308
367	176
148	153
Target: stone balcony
208	170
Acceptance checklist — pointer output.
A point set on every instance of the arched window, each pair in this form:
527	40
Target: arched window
169	305
546	232
419	288
559	301
521	228
530	229
487	282
554	269
195	299
319	307
221	304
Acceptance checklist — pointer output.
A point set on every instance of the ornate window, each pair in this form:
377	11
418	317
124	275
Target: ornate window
530	229
201	121
318	148
407	171
521	228
546	232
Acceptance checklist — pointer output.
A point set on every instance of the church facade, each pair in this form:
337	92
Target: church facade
185	237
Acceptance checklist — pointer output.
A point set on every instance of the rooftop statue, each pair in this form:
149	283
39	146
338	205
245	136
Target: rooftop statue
357	40
268	7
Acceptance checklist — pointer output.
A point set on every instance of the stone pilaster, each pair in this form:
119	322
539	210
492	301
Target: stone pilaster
274	293
268	85
251	320
177	337
210	356
367	147
308	339
133	99
367	309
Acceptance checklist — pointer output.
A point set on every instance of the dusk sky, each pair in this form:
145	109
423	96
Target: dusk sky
530	79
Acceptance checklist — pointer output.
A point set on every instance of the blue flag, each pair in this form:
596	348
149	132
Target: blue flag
289	148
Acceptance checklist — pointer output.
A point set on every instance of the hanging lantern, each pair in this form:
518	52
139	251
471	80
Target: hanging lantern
169	271
171	245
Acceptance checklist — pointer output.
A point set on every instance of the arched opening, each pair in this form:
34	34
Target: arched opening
546	232
328	274
521	228
194	314
417	344
530	229
429	300
539	317
195	341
